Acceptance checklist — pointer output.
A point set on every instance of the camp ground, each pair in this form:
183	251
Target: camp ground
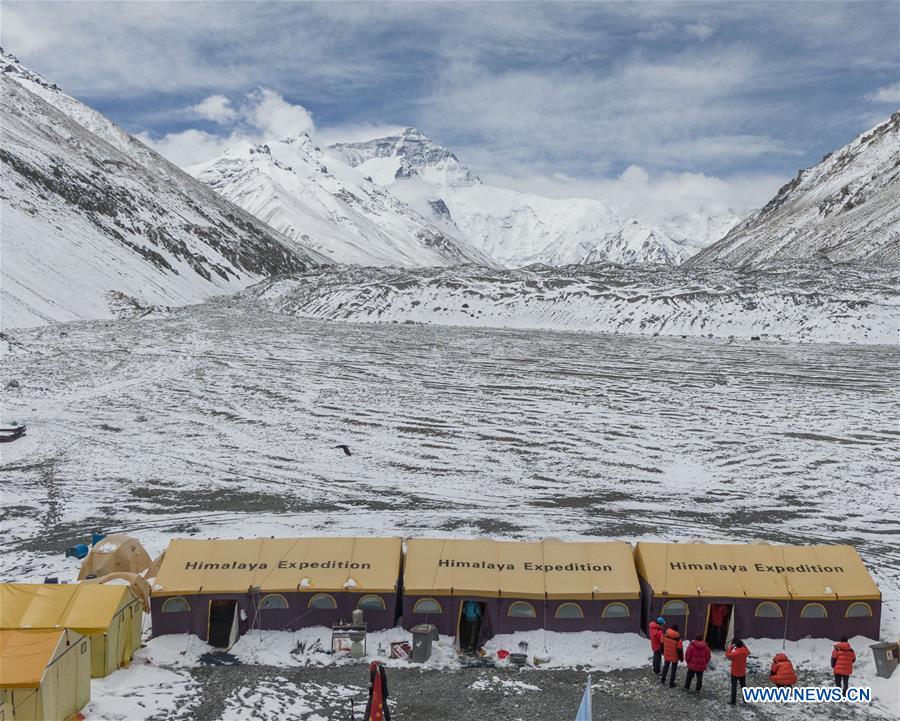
45	675
519	586
220	589
759	590
110	615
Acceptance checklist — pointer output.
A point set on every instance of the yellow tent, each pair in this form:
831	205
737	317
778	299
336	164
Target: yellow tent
517	569
45	675
755	570
111	615
115	553
361	565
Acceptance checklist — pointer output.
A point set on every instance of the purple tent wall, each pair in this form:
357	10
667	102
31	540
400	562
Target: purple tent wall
500	622
297	615
748	625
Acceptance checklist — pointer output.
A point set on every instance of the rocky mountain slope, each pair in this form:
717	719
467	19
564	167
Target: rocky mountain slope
325	204
821	303
93	221
846	208
522	228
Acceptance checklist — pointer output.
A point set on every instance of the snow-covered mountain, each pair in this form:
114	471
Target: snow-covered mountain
806	303
327	205
92	220
846	208
522	228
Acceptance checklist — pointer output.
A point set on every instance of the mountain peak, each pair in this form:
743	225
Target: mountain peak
416	155
12	66
300	138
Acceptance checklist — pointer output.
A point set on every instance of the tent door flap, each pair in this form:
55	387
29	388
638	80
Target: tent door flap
223	623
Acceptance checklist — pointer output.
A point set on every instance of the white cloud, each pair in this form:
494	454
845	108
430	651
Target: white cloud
190	147
26	37
262	115
655	196
217	108
274	117
688	112
887	94
699	30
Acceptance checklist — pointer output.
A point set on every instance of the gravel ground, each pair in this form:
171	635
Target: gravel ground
473	694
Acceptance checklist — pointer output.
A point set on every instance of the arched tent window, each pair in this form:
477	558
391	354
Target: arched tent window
615	610
767	609
814	610
569	610
323	601
521	609
371	602
273	601
427	605
176	605
858	609
675	608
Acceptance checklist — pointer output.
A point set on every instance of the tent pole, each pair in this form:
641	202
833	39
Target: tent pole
787	611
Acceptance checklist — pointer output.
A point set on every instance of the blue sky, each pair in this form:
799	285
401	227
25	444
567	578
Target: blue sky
557	98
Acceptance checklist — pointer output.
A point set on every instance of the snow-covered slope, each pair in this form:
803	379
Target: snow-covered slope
93	221
522	228
846	208
805	303
327	205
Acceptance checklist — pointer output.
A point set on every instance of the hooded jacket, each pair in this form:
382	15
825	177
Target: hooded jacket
697	656
782	672
738	658
843	658
656	636
672	645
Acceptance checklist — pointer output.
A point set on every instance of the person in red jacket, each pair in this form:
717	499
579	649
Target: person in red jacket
737	653
657	628
842	659
697	659
782	672
672	654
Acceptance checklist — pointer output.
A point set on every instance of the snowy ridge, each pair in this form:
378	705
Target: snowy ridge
812	304
516	228
86	117
324	204
845	208
93	224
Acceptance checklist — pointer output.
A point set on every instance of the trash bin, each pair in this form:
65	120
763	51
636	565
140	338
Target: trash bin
887	656
421	642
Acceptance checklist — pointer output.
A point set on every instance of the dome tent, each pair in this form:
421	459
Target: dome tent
115	553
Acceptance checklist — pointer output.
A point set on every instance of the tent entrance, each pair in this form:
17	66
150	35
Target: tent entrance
223	623
719	618
469	629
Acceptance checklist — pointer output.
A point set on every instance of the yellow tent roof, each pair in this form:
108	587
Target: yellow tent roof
24	655
513	569
370	565
755	571
86	608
